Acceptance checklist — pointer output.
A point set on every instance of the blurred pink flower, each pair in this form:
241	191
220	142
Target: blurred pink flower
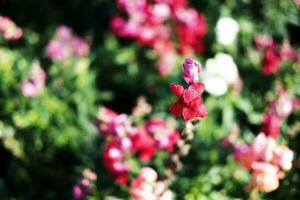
263	41
35	82
265	176
9	29
125	140
244	155
146	187
283	157
65	45
265	159
84	185
165	137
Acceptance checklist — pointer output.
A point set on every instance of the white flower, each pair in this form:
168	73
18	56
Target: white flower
215	85
226	30
219	73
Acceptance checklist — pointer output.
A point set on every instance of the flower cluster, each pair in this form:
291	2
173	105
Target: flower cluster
125	139
277	111
9	29
152	23
146	187
35	82
189	104
65	45
273	54
84	186
266	159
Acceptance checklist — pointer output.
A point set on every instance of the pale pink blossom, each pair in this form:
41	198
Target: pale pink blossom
283	157
265	177
147	187
263	146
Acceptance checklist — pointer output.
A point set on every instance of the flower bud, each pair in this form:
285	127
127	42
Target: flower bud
191	70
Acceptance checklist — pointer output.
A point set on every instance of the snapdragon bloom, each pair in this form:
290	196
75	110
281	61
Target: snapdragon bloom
146	187
191	71
35	82
266	160
189	104
9	29
65	45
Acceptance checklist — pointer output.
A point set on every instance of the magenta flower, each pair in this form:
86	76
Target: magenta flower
191	70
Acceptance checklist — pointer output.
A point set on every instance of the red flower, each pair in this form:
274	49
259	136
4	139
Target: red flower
144	145
189	104
271	61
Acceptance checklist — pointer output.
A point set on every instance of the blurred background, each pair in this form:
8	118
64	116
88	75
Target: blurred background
63	62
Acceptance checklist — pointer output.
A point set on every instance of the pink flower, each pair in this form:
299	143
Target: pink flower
284	105
165	137
283	157
80	47
84	185
57	50
244	155
146	187
191	70
65	45
160	12
189	104
35	82
265	177
263	41
148	174
265	159
113	159
9	29
287	52
166	63
64	32
262	147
